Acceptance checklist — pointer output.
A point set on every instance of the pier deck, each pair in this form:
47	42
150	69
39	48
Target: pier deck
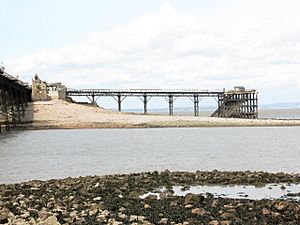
14	95
239	103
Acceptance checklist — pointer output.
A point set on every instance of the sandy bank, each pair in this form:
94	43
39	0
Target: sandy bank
59	114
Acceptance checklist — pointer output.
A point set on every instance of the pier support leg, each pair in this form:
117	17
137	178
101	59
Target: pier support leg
171	101
13	116
17	105
196	105
4	109
256	106
4	97
145	104
119	103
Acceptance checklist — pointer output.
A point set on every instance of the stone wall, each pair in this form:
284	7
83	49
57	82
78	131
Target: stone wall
62	93
43	91
39	89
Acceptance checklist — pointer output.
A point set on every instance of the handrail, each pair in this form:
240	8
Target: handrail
145	90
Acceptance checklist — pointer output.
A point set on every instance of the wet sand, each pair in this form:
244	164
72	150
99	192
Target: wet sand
58	114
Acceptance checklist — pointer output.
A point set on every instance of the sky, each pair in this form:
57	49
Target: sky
174	44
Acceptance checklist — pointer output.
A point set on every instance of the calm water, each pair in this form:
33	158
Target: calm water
49	154
263	113
270	191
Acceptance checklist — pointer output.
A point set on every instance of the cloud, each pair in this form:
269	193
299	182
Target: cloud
255	43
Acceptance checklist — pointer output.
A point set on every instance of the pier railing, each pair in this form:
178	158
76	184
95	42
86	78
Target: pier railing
247	107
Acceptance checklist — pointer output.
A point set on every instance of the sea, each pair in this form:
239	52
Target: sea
51	154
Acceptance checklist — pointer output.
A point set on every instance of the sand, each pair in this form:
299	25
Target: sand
60	114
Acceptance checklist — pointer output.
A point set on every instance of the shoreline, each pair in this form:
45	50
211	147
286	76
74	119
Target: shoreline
176	124
121	126
198	177
58	114
116	199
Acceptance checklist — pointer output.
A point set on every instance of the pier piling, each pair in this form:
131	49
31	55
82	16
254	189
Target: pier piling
14	95
119	103
145	104
171	105
196	105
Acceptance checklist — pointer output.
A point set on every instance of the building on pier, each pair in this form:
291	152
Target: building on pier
44	91
238	103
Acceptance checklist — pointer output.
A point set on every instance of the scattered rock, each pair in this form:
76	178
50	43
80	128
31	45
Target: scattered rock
199	211
191	198
134	195
282	187
146	206
4	215
52	220
163	221
153	197
265	211
280	206
96	200
214	222
188	206
3	218
226	222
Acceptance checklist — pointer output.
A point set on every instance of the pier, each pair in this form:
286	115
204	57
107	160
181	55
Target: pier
236	103
14	96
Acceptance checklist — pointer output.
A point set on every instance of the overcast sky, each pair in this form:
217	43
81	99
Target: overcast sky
204	44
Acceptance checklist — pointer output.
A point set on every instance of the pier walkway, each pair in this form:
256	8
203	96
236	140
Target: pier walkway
238	103
14	95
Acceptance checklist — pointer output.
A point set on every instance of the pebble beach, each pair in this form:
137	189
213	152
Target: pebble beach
58	114
116	200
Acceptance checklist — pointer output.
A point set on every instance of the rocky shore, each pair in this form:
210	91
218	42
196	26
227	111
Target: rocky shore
58	114
116	199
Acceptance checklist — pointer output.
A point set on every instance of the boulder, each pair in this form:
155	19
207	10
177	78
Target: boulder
4	215
52	220
191	199
199	211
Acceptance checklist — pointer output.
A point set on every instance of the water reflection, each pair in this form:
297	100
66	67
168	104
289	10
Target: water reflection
269	191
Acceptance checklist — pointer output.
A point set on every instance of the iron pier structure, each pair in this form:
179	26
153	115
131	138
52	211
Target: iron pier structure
14	96
237	103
